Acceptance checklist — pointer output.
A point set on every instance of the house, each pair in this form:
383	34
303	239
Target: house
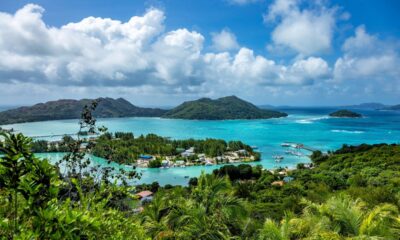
179	163
145	196
188	152
282	172
288	179
145	157
165	163
278	183
242	152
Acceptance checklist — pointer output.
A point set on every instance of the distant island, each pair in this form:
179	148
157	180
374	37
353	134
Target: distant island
230	107
394	107
345	114
371	105
71	109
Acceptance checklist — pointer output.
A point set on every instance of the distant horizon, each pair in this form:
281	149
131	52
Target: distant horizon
6	107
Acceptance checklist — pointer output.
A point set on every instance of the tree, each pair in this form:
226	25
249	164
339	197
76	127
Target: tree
14	165
339	217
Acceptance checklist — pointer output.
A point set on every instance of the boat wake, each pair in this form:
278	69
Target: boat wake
346	131
311	120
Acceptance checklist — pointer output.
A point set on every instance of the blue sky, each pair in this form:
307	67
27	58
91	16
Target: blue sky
281	52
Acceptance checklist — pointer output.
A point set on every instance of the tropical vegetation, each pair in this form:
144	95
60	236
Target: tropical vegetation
351	193
71	109
230	107
345	113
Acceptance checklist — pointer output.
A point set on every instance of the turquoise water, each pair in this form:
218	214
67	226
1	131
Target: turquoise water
310	126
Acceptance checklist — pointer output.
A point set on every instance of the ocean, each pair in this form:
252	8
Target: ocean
310	126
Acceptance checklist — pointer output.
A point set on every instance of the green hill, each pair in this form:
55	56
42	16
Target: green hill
346	114
71	109
230	107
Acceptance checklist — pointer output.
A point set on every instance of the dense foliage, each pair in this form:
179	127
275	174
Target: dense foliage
345	113
222	108
71	109
350	193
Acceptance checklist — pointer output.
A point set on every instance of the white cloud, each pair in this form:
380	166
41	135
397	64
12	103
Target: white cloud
366	57
307	31
245	68
224	41
137	55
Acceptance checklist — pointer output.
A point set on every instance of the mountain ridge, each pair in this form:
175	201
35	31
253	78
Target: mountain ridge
71	109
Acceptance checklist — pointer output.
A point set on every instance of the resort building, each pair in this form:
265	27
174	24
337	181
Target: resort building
188	152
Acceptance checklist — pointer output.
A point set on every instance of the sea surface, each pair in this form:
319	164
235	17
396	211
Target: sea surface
309	126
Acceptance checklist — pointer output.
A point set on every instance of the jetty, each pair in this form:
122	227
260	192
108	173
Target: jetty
52	136
90	136
298	146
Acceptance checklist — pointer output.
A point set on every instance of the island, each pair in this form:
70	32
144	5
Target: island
155	151
394	107
369	105
345	114
71	109
230	107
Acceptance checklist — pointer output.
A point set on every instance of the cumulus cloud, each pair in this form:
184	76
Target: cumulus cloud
307	31
366	57
246	68
224	41
103	52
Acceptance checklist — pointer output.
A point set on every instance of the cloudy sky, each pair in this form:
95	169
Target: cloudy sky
159	53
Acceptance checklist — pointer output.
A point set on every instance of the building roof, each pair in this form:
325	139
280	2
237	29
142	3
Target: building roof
143	194
288	179
278	183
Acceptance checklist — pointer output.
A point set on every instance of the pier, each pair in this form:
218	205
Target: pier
54	135
298	146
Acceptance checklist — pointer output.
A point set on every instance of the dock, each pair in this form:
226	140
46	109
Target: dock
54	135
298	146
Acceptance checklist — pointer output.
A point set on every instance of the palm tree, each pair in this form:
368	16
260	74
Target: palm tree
339	217
209	211
213	212
275	231
154	217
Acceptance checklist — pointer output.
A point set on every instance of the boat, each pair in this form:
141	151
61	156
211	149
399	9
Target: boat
286	144
278	158
186	176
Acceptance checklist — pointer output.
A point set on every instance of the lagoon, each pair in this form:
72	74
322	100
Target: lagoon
310	126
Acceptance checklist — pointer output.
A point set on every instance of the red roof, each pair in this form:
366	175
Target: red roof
143	194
